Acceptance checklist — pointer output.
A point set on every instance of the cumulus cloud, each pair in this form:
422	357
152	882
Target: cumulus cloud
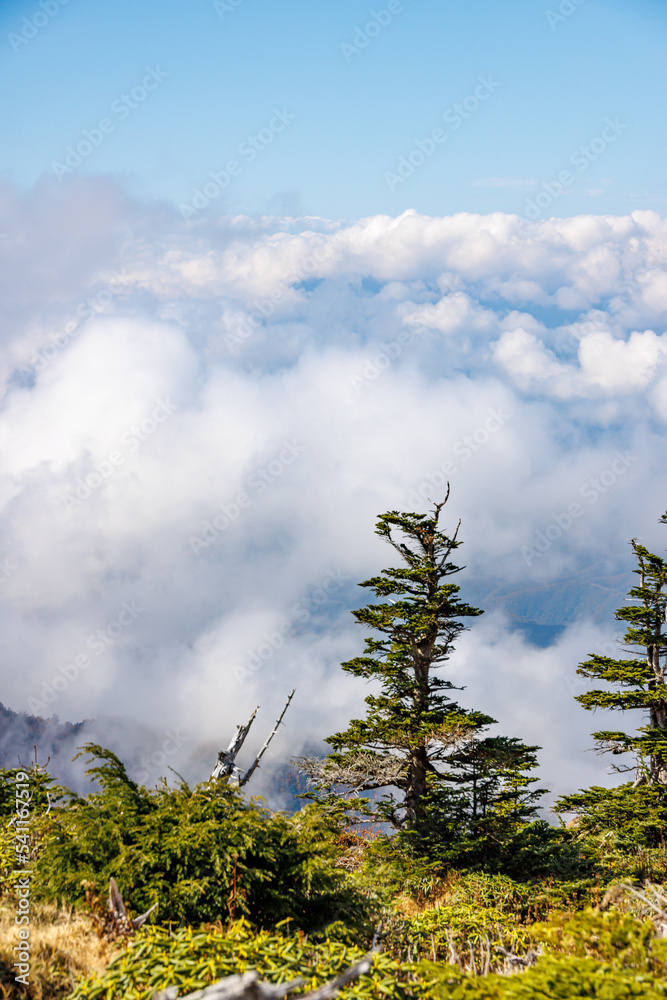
201	420
619	365
614	366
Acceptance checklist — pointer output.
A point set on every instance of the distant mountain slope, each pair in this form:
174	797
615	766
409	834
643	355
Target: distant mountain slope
149	754
139	747
542	610
21	733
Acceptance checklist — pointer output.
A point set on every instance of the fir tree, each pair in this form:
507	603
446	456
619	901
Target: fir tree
415	737
637	682
626	827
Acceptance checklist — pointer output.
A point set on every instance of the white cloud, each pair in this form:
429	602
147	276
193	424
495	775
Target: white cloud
526	358
453	313
289	437
622	365
611	365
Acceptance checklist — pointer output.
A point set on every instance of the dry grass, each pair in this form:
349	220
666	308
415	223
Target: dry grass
411	906
63	945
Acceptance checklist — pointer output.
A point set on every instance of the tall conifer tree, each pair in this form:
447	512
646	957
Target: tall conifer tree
637	682
415	737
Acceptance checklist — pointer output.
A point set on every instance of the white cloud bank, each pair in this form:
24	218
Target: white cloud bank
200	422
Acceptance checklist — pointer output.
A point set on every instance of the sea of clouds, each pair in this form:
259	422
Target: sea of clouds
201	420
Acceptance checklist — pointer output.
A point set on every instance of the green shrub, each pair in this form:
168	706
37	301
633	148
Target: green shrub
192	959
476	918
467	935
589	954
622	829
609	956
552	979
201	854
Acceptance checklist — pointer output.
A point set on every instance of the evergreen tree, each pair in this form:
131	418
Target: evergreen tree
626	827
416	738
637	682
493	775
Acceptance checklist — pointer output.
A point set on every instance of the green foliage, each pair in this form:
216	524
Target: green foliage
465	800
610	956
201	854
484	816
413	720
7	855
43	793
590	954
623	829
465	931
637	683
527	902
192	959
470	917
496	844
613	937
551	979
43	790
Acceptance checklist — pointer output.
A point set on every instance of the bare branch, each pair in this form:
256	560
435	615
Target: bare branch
331	989
114	921
138	922
364	772
116	904
255	764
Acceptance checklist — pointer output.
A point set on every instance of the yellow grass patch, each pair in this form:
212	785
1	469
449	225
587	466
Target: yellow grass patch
64	946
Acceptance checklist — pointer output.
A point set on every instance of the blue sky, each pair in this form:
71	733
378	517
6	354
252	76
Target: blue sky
559	76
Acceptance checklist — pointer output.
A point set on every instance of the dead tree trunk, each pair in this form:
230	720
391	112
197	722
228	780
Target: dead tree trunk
226	768
255	764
